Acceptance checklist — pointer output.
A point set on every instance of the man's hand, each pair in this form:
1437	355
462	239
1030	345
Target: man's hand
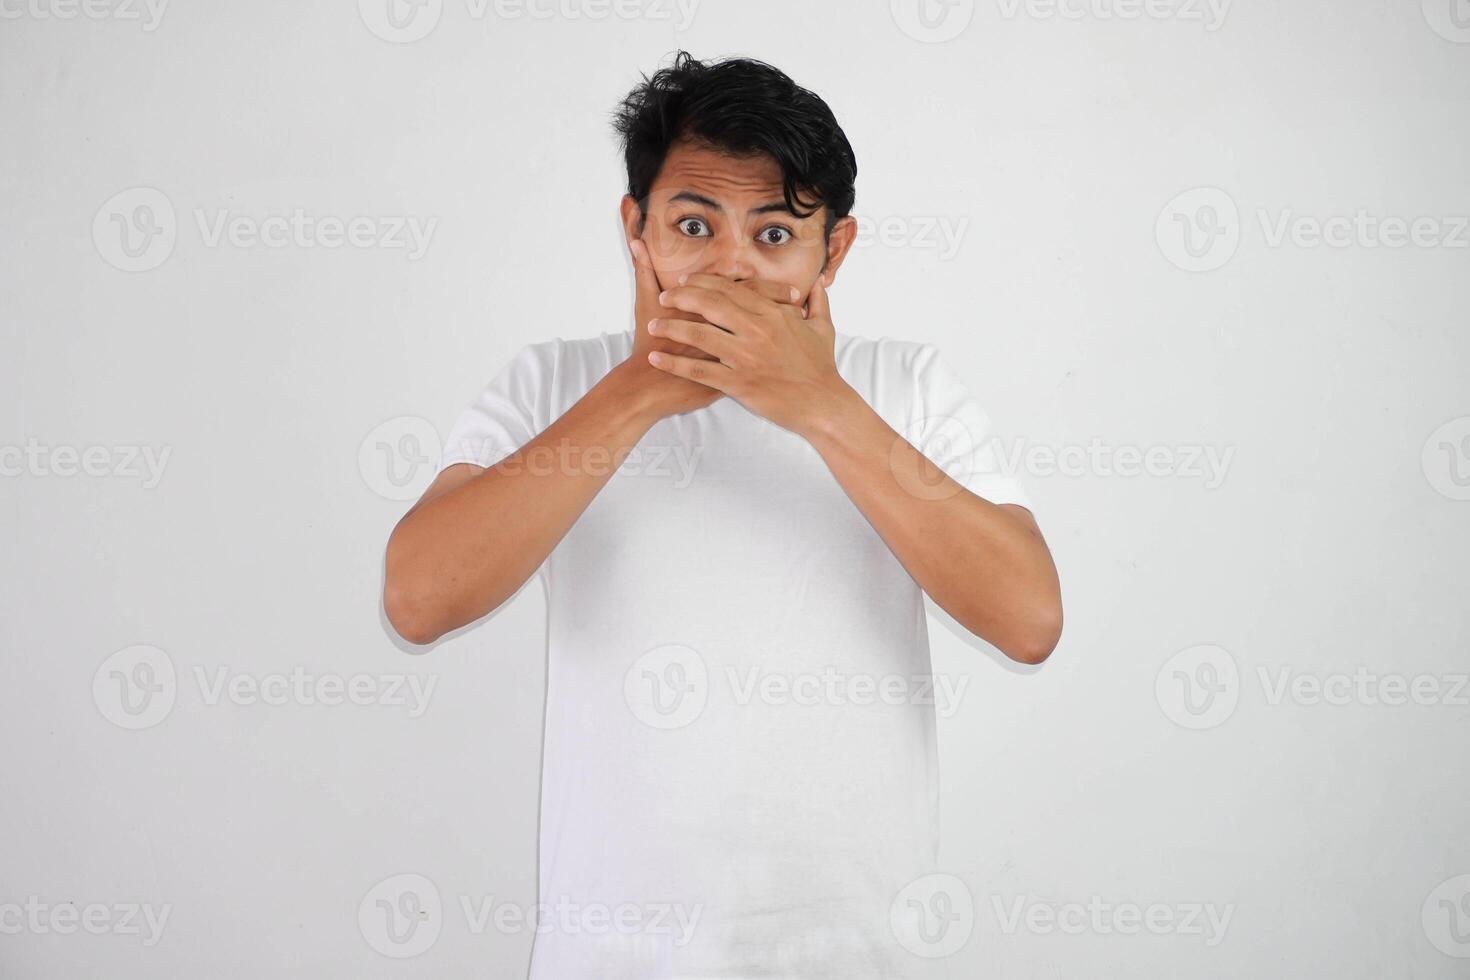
670	394
770	356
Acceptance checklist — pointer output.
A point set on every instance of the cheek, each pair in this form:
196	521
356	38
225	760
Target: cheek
672	253
798	264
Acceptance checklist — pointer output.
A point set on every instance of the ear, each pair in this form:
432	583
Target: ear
844	233
632	216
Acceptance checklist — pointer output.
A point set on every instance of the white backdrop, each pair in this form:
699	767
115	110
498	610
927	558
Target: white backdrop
1205	264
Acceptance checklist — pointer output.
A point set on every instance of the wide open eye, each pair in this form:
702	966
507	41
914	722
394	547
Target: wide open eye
693	227
775	235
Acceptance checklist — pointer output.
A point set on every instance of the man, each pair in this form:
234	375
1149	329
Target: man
734	527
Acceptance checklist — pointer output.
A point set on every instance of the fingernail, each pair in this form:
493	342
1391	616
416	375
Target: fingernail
684	279
795	294
663	297
650	325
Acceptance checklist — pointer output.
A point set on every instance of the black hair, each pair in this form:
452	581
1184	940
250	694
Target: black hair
742	107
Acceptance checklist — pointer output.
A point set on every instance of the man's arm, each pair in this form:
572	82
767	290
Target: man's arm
478	534
985	564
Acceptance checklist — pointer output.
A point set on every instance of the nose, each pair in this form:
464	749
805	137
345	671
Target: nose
732	255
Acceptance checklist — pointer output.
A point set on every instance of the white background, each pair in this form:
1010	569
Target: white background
1333	543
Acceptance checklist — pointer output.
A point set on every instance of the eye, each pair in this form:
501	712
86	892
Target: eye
693	227
775	235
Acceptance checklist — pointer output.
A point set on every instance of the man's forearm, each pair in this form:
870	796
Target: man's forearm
458	555
983	564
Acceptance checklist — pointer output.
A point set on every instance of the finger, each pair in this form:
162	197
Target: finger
644	277
711	373
717	307
817	306
647	287
701	337
768	289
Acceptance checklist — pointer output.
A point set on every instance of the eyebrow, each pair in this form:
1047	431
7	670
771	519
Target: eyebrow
700	199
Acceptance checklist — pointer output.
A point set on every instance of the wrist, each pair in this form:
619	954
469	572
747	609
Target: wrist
629	399
837	410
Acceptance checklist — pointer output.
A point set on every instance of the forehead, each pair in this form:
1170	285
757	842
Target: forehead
733	181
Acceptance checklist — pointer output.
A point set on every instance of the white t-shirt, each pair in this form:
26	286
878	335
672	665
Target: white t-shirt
740	777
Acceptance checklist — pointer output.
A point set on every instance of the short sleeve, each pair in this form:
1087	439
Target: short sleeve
952	429
504	417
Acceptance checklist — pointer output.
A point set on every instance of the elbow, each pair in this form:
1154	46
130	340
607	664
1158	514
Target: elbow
407	615
1039	639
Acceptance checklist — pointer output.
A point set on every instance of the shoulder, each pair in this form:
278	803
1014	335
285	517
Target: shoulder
889	373
552	375
559	354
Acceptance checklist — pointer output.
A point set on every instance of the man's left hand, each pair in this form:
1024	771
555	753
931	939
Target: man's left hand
774	358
